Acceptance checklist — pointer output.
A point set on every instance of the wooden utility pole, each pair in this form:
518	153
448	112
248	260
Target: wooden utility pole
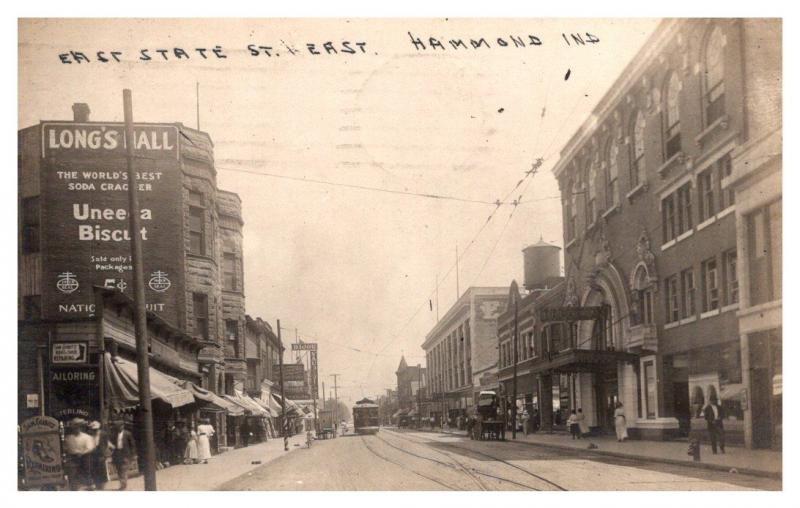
284	423
515	296
140	321
336	402
419	395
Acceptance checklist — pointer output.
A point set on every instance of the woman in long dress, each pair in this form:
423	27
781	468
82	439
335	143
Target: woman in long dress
204	433
190	455
619	423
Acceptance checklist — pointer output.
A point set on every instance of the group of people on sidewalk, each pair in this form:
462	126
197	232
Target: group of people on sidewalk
187	444
88	447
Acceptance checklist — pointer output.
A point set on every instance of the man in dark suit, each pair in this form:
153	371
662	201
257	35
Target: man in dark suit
123	451
713	415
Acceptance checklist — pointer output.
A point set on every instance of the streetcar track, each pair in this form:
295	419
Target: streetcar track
471	471
383	457
492	457
456	464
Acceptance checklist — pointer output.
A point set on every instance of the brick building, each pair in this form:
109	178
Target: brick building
461	351
73	238
654	230
411	382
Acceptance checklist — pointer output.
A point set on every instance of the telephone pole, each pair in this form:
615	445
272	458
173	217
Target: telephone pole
515	296
336	403
140	321
284	424
419	395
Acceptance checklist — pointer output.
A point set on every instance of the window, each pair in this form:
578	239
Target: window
668	217
688	289
30	225
727	197
714	84
705	184
671	117
572	209
612	173
200	308
673	299
764	229
229	272
591	209
731	278
637	150
710	285
684	214
643	292
197	223
650	388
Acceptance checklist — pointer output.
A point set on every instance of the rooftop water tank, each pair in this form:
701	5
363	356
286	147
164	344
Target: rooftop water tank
541	263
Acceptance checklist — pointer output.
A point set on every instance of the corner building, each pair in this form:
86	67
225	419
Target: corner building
73	239
656	230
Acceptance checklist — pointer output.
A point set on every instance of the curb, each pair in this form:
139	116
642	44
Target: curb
699	465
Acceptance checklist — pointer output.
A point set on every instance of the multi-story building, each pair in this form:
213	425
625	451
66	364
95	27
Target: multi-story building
261	350
73	237
411	382
461	351
650	230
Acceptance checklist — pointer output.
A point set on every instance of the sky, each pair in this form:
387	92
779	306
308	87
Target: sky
351	267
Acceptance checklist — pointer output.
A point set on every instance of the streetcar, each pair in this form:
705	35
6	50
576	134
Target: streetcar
366	419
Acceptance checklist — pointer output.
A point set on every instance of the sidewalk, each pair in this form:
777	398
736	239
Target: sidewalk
767	463
220	468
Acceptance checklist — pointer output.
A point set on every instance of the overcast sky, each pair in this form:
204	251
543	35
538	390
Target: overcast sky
353	269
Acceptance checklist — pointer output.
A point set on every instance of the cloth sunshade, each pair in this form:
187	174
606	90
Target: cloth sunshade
269	410
254	408
122	382
233	400
270	402
212	398
397	413
292	409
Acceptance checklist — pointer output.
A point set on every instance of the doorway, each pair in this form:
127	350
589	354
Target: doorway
607	396
682	407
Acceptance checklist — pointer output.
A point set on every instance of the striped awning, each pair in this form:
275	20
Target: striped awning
122	380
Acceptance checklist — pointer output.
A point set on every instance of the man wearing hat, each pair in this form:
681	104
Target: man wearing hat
78	446
123	450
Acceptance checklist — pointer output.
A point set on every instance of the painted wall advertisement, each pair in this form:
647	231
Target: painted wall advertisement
85	215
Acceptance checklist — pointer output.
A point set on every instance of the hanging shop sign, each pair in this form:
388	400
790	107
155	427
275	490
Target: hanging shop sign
85	222
41	452
69	352
304	346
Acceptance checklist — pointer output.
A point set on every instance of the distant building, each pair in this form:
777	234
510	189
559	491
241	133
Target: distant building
461	351
411	382
671	200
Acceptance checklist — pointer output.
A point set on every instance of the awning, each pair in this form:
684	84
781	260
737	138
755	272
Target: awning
292	409
397	413
239	403
268	409
253	407
212	398
270	402
411	413
122	381
583	360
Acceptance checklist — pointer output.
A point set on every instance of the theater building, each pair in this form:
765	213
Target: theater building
74	238
461	351
656	231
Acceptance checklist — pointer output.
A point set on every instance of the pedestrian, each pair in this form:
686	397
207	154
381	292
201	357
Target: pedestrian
179	441
168	438
190	454
100	454
123	450
574	426
582	423
620	424
78	447
713	415
244	431
204	433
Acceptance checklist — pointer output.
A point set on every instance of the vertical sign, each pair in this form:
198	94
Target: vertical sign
314	374
85	215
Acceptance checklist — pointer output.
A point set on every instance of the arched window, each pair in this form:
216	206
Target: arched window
643	296
637	149
671	117
612	173
591	208
714	84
